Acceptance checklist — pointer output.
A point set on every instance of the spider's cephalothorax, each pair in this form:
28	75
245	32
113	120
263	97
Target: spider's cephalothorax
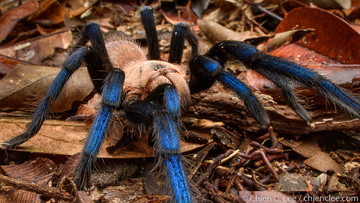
153	93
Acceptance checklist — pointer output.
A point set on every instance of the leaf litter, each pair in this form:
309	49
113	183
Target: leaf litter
238	168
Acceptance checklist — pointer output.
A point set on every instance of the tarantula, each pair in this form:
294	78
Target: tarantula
153	93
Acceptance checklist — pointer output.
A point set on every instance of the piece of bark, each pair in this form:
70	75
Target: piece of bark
219	104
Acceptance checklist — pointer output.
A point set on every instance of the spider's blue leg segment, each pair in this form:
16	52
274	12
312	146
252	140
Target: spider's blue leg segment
204	71
111	99
180	33
258	61
167	142
71	64
167	95
148	21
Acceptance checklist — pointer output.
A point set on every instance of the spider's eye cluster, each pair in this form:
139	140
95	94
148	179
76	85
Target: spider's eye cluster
158	67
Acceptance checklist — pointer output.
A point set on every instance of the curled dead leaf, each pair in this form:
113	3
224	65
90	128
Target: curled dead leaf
281	38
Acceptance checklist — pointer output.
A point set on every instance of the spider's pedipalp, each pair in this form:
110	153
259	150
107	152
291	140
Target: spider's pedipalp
148	21
71	64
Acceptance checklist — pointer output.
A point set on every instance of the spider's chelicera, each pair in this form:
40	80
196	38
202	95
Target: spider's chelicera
153	93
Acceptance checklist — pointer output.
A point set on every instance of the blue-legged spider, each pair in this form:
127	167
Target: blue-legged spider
152	93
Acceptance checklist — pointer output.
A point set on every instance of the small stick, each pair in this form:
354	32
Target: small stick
38	189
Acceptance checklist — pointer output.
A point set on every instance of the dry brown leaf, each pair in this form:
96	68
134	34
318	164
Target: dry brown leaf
38	171
55	136
323	162
12	17
306	148
216	32
329	4
37	49
291	182
7	63
335	185
174	19
43	5
54	14
25	83
281	38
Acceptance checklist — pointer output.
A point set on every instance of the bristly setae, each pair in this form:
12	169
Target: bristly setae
153	93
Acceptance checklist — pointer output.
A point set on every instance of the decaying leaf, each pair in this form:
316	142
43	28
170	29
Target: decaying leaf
323	162
198	6
37	49
55	12
281	38
306	148
330	37
38	171
335	185
7	63
12	17
55	136
27	84
291	182
216	32
174	19
329	4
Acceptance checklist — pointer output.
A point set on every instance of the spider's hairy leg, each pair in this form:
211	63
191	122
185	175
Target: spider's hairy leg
92	32
259	62
71	64
180	33
167	95
288	93
167	143
147	18
111	99
97	59
204	71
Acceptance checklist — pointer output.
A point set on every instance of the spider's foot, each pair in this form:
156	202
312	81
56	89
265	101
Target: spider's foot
15	141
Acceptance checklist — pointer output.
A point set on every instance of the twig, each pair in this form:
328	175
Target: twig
39	189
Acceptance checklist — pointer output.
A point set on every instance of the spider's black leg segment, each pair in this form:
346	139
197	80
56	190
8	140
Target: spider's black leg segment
288	93
180	33
97	60
339	96
148	21
256	60
71	64
167	142
204	71
111	99
92	32
96	69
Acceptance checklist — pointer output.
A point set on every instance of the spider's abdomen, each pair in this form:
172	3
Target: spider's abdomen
124	54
